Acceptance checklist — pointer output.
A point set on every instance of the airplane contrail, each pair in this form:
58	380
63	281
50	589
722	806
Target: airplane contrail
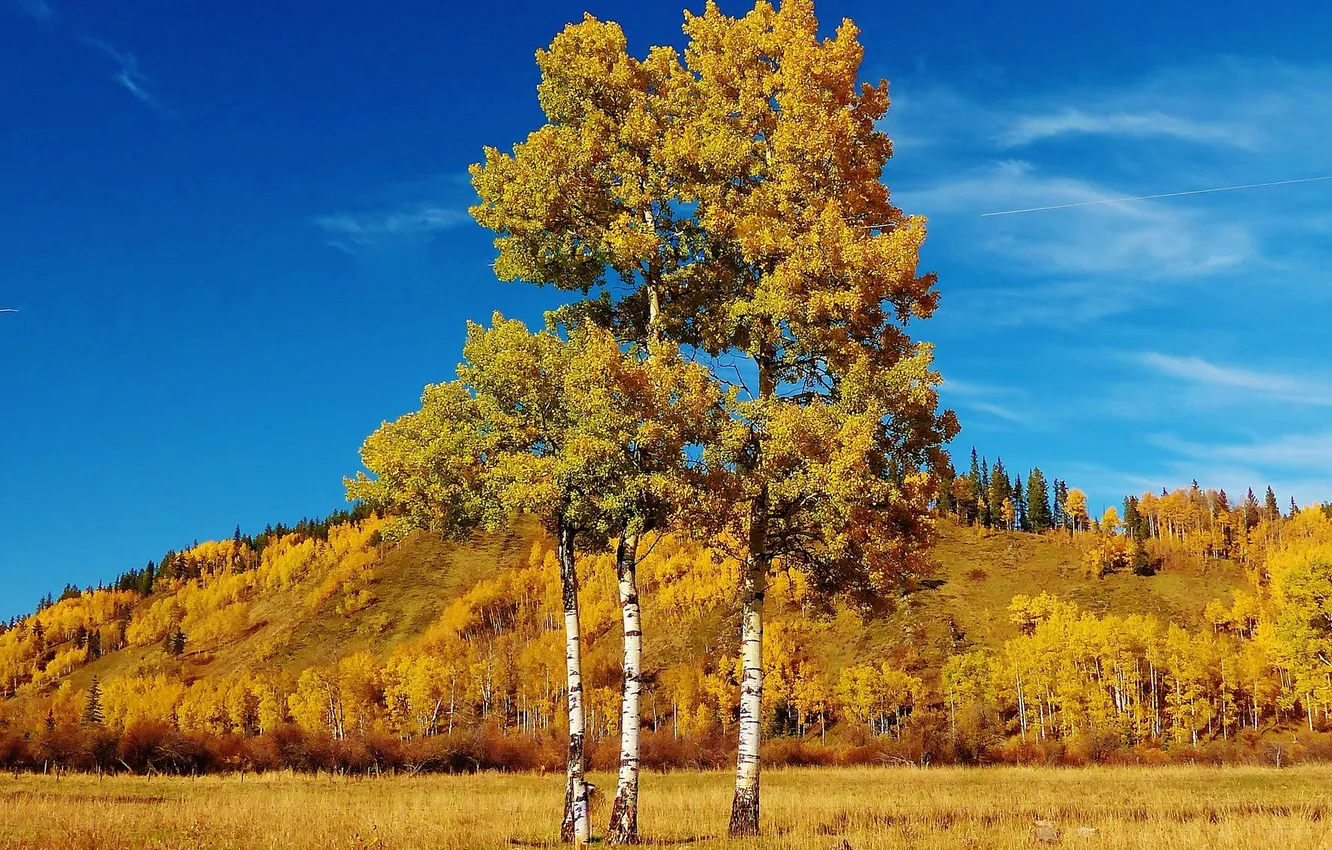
1155	197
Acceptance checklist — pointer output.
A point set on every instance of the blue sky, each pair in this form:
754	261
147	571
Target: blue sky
237	237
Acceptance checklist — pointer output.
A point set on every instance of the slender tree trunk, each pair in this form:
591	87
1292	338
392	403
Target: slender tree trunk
1022	706
575	827
745	807
624	813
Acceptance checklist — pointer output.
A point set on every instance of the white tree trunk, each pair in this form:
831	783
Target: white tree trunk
575	827
745	806
624	814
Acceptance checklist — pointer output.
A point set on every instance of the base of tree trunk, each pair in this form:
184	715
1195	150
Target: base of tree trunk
567	825
745	813
624	821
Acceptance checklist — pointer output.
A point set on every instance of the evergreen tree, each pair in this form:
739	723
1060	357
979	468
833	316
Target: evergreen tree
1057	518
998	491
174	644
988	511
945	502
1020	503
93	649
1271	509
92	713
979	512
1294	508
1038	502
1138	558
1132	518
166	568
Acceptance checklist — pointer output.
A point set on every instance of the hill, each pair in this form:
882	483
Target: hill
337	634
412	583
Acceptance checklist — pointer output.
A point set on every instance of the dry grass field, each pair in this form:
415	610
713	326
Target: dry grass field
872	809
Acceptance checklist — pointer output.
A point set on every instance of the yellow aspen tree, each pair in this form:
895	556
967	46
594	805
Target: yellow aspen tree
785	159
1110	523
576	433
740	194
1075	508
586	201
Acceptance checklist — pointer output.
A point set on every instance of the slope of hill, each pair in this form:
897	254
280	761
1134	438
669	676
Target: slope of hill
332	647
311	605
289	629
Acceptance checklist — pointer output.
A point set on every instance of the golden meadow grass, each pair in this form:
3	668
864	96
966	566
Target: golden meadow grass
871	808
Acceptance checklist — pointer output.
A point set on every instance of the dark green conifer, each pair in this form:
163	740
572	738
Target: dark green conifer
1038	502
92	713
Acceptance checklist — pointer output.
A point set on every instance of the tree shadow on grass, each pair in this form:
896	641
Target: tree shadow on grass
541	844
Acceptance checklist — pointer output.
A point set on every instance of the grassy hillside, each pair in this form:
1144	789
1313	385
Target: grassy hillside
414	581
963	607
985	571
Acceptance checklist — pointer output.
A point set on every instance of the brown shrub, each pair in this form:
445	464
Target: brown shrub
14	753
792	752
663	751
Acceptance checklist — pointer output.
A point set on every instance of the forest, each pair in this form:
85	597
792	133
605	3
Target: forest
483	684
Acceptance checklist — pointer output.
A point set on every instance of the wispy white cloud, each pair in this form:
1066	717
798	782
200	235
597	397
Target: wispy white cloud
357	232
1224	123
1149	241
1235	105
1218	274
1026	129
1250	383
1005	403
999	410
38	9
1304	452
127	73
128	76
957	386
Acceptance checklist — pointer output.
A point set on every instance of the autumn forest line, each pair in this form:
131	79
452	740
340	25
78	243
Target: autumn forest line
482	686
